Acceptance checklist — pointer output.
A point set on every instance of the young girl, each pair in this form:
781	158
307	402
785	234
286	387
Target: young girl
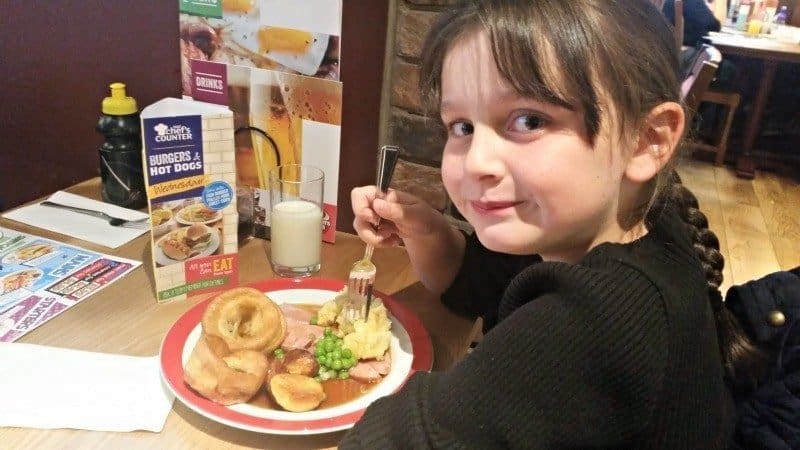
599	302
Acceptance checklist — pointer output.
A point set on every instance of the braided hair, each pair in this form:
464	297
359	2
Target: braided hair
743	361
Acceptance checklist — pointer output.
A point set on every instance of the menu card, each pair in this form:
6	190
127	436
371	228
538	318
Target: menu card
189	175
40	278
275	64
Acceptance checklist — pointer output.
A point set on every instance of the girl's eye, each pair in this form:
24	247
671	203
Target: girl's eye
460	129
527	122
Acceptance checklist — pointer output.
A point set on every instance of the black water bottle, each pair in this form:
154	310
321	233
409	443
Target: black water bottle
122	178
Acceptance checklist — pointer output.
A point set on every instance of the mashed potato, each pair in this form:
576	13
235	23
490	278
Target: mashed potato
366	340
330	310
370	339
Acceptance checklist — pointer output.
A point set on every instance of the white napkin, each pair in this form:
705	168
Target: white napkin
81	226
49	387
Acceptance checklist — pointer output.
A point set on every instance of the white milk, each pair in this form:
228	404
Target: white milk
296	233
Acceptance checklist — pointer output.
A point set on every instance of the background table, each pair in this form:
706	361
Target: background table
125	318
771	53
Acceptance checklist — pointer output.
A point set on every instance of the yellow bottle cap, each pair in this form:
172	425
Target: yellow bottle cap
119	104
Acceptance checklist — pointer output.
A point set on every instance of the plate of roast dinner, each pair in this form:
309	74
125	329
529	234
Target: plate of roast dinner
279	356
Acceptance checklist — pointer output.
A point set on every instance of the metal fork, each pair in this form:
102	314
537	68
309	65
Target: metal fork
362	274
140	224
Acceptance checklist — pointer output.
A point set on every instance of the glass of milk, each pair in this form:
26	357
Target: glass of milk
295	192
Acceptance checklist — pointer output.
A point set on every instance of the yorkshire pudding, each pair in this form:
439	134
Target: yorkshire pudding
221	376
245	319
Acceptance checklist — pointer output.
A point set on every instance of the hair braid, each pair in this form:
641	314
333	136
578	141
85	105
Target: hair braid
744	362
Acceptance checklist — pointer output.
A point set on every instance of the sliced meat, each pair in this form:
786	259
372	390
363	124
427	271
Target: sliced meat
371	370
299	333
296	314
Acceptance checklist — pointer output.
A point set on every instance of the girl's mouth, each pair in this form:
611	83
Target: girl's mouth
492	208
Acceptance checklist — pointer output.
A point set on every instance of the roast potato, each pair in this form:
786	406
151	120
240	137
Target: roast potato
298	362
296	393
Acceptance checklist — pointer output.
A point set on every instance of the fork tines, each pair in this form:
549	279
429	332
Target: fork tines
359	284
369	301
359	289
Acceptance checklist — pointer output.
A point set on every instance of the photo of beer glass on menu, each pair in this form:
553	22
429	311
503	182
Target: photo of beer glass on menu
296	193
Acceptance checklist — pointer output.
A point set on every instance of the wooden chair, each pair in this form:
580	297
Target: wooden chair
678	28
697	80
695	90
718	145
702	93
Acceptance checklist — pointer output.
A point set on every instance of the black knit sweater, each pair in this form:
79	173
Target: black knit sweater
617	351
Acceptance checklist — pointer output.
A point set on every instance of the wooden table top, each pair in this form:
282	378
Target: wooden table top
125	318
756	47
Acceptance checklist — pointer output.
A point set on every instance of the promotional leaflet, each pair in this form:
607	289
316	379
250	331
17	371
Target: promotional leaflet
40	278
190	178
275	64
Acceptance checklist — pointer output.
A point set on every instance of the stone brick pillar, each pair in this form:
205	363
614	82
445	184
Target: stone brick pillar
420	137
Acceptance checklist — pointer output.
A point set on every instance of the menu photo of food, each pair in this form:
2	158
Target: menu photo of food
253	34
22	279
29	252
40	278
192	230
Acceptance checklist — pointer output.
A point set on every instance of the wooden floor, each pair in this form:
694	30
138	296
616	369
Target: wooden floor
757	221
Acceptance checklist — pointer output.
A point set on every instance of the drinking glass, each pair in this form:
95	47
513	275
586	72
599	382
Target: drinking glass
295	193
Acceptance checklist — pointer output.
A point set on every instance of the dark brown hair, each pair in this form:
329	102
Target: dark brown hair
622	48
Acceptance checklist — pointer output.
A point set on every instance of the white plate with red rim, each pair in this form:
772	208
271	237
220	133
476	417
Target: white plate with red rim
411	351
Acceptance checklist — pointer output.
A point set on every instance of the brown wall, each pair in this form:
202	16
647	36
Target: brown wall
55	68
57	59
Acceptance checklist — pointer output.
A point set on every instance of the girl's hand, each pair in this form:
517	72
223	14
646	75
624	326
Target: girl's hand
403	216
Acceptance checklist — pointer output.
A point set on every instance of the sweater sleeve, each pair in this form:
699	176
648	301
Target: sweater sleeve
481	280
562	371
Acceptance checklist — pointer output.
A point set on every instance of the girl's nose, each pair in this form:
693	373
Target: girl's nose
483	157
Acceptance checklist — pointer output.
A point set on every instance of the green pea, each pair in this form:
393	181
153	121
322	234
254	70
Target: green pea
319	351
347	363
337	364
278	353
321	360
328	331
343	375
347	353
329	346
313	320
337	354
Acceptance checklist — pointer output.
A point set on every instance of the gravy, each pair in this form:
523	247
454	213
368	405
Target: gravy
337	392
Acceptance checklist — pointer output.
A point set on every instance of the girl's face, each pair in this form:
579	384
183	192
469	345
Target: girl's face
521	171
